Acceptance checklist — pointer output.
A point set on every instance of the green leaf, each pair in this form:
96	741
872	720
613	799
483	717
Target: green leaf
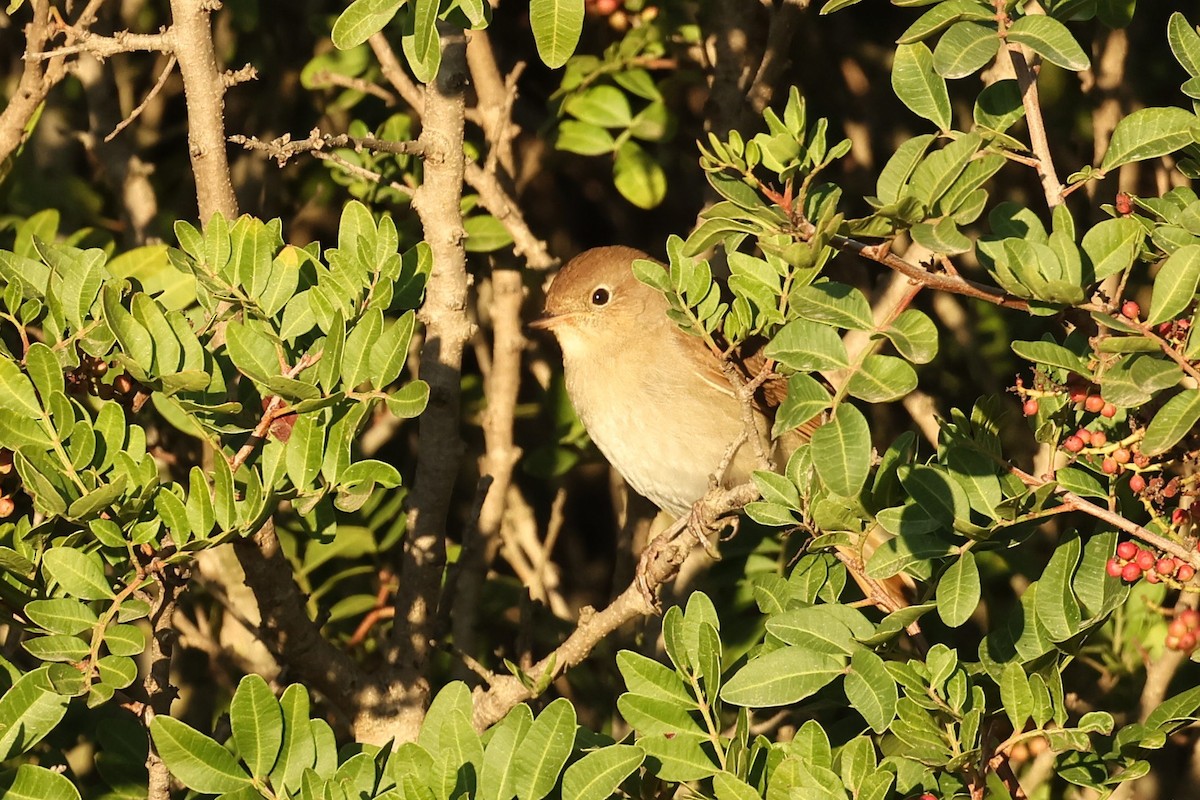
964	49
61	615
726	786
806	398
918	86
251	351
125	640
639	177
651	715
1053	354
1149	133
603	106
647	677
485	234
361	19
32	782
16	391
422	46
914	336
557	25
298	749
57	647
1185	43
410	400
1050	39
1015	695
544	750
871	689
808	347
195	759
498	775
1174	420
1055	604
355	368
841	451
257	723
882	379
305	450
958	591
1112	246
574	136
80	574
937	494
1175	284
29	711
999	106
782	677
833	304
679	757
390	351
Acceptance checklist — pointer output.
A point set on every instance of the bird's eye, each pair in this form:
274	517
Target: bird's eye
600	297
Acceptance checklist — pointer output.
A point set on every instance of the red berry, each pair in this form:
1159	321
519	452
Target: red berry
1172	641
1123	204
1137	484
1130	309
1099	438
1177	627
1191	618
1121	455
1152	577
1030	408
1093	403
1144	559
1109	410
1078	394
1165	566
1073	444
1187	642
1113	568
1185	573
1084	435
1131	572
1179	517
1110	466
1127	550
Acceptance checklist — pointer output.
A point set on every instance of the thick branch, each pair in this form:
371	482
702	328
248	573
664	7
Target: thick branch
204	88
37	79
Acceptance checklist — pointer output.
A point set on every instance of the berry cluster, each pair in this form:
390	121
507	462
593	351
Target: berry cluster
1182	632
1132	563
7	505
90	378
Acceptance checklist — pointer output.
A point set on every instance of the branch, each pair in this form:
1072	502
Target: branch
659	564
37	79
440	446
393	70
775	60
103	47
1027	82
1078	503
204	89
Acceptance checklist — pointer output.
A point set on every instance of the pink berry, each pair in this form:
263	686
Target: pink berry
1094	403
1145	560
1108	410
1030	408
1130	309
1165	566
1110	466
1131	572
1185	573
1113	568
1073	444
1187	642
1127	550
1099	438
1137	484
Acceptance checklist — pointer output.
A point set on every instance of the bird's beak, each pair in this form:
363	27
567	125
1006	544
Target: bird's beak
545	323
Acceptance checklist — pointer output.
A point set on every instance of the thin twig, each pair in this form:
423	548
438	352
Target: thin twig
159	84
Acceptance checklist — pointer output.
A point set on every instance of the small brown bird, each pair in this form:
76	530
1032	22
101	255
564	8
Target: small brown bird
657	403
653	398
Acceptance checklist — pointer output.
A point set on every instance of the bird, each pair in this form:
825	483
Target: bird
653	398
658	404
